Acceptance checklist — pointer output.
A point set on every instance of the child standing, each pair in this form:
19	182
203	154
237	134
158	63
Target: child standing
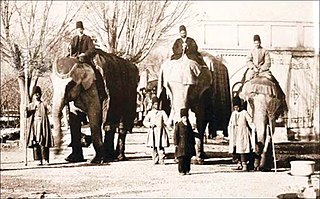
157	137
184	141
39	134
241	140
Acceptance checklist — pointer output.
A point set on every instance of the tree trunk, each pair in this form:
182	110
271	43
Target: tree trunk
23	103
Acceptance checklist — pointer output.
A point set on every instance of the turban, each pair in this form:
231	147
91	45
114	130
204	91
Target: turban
79	24
184	112
256	38
154	100
181	28
37	89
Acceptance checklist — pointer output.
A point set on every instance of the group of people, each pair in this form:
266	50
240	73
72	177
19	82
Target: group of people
157	138
241	128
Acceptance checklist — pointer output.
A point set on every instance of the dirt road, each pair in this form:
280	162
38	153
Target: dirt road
139	178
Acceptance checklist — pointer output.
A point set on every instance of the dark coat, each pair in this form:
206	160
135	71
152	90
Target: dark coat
191	51
81	46
44	137
184	140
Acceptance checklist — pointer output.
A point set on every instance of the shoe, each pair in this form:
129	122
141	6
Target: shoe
162	162
73	159
188	173
182	174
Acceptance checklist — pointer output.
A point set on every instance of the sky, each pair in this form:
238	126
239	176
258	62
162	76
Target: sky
258	10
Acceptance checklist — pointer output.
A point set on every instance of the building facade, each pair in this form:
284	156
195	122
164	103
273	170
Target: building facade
295	62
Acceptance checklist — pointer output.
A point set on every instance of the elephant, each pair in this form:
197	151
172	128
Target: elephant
189	85
75	82
266	103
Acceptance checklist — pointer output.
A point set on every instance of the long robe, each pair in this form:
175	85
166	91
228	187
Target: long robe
184	140
239	134
157	136
39	129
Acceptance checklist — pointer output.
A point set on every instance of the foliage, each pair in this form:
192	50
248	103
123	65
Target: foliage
132	28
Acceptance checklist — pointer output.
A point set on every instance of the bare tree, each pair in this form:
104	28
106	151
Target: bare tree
31	36
132	28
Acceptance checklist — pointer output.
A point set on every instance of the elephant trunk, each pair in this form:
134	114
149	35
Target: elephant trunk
58	105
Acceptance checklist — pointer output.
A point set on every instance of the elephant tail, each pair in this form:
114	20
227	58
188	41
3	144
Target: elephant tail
160	81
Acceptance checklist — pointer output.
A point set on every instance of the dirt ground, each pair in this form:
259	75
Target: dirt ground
139	178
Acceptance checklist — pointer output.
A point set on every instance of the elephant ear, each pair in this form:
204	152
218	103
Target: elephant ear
83	75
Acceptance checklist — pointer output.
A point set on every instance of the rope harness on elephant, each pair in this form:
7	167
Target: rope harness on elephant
62	63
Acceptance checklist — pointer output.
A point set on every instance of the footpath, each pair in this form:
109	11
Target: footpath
139	178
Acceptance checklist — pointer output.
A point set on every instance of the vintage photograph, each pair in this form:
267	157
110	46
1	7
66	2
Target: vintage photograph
159	99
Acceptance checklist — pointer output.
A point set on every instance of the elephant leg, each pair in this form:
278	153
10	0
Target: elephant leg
96	136
201	126
109	145
121	145
75	128
109	152
266	157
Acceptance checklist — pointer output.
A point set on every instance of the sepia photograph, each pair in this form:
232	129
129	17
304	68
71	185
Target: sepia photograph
159	99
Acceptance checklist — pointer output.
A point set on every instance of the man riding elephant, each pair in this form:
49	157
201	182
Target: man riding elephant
186	45
80	46
266	99
259	63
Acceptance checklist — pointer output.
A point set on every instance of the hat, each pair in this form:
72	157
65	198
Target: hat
236	101
37	89
184	112
181	28
79	24
256	38
155	99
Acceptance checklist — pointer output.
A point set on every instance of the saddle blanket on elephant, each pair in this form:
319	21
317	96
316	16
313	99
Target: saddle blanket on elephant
183	71
263	85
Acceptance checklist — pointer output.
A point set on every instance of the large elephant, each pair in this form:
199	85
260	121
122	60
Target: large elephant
266	103
189	85
74	81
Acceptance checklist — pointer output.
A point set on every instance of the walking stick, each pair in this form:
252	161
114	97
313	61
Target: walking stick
270	131
25	111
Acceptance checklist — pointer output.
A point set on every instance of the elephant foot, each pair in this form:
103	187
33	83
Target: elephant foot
75	158
264	169
256	164
110	159
97	160
122	158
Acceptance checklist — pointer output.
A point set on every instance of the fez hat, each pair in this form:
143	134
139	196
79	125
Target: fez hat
256	38
79	24
37	89
181	28
155	99
184	112
236	101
